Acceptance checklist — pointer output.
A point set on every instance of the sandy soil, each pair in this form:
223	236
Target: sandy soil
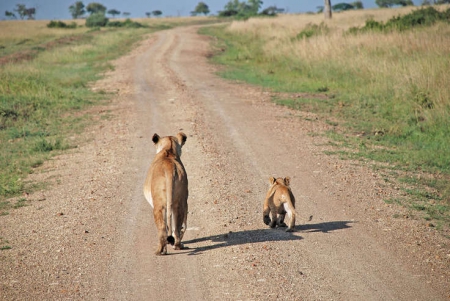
91	235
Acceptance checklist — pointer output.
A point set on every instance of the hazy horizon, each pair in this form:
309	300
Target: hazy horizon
52	10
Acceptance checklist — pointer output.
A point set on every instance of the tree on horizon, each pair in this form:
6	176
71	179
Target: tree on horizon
95	7
327	9
157	13
113	12
201	8
10	15
392	3
20	9
77	9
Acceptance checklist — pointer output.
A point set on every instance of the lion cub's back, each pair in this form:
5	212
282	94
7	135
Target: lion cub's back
283	195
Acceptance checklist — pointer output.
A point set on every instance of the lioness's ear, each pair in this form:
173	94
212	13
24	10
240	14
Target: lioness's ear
181	138
287	181
272	180
155	138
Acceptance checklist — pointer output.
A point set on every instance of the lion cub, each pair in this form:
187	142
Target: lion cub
166	189
279	201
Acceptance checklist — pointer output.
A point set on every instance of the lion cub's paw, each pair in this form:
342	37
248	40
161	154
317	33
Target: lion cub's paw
180	247
267	220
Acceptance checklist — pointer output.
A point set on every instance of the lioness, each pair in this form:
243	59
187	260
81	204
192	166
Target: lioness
279	201
166	189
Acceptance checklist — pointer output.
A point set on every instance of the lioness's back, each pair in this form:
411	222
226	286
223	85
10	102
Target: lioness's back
166	189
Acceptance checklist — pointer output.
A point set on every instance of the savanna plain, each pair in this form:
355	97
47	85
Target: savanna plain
354	109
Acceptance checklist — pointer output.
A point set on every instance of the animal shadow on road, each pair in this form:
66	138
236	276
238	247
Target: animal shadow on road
261	235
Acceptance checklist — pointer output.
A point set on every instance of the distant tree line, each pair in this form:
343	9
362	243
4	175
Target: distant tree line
233	8
391	3
22	11
97	15
432	2
381	3
342	6
155	13
246	9
78	10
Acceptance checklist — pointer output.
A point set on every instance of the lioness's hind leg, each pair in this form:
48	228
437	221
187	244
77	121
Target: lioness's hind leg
179	219
183	227
161	249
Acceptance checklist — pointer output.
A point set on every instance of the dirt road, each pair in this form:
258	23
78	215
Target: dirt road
91	235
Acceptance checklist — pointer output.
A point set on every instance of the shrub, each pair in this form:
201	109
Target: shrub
127	23
60	24
43	145
421	17
312	30
96	20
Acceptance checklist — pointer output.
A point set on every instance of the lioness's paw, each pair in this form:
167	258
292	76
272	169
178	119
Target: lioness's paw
159	252
282	225
290	230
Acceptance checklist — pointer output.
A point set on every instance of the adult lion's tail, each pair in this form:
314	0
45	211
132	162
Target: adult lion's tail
169	196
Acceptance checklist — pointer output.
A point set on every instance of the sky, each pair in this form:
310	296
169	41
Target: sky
59	9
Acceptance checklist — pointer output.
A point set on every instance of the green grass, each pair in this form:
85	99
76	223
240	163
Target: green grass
400	124
3	243
42	101
245	57
7	205
44	96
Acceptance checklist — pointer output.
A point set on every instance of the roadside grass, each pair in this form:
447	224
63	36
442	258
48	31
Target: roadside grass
25	39
44	99
3	244
38	99
19	35
385	93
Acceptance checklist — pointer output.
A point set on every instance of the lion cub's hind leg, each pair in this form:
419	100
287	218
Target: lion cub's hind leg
290	211
279	202
274	217
266	212
269	211
280	220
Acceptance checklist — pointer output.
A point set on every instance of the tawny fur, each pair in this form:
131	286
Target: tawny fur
279	202
166	189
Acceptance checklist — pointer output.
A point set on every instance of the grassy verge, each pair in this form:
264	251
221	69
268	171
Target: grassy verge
38	99
19	35
386	92
43	99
